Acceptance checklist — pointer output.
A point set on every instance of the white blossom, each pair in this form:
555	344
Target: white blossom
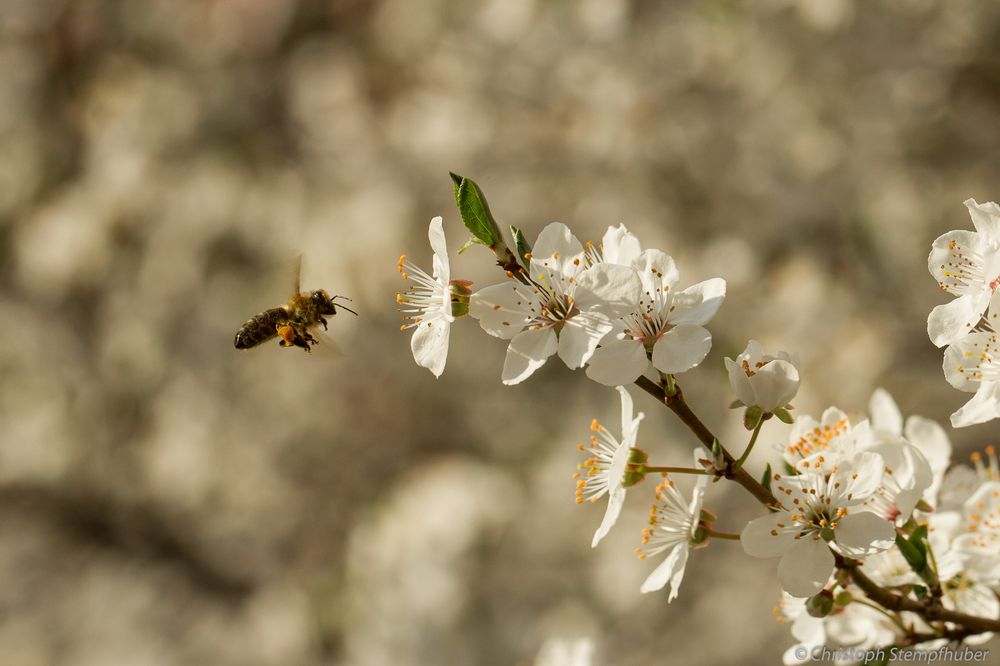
973	365
567	308
673	526
602	472
815	513
769	382
664	325
427	304
966	264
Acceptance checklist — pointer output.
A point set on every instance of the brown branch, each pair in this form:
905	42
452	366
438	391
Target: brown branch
679	407
883	597
897	602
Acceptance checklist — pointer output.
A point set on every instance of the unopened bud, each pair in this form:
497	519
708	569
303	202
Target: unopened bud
820	605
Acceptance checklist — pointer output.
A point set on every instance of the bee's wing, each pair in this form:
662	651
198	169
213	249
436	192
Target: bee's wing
297	268
325	345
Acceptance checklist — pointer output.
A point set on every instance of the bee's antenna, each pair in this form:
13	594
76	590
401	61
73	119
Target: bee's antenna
344	307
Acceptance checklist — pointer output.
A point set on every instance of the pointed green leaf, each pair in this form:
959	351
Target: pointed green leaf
475	211
784	416
913	555
752	417
765	480
521	244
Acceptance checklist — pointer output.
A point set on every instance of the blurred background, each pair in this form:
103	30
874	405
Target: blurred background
165	499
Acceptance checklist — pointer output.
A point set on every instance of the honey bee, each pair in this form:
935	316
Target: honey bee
291	322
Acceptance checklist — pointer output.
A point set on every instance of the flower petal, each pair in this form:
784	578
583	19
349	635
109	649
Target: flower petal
952	254
580	336
984	406
885	415
763	538
739	382
698	303
864	533
527	352
430	344
670	570
681	348
950	322
620	246
986	219
504	309
435	234
805	567
630	421
657	271
608	289
616	500
618	362
775	384
556	249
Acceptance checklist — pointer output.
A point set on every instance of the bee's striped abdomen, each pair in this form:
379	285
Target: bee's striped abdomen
260	328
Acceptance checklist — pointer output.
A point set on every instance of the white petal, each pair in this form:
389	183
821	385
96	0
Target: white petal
986	219
739	382
670	570
698	303
931	440
630	421
942	260
863	533
435	234
527	352
616	500
620	246
657	271
681	348
558	249
961	358
950	322
580	336
805	567
608	289
430	344
775	384
503	309
984	406
857	478
618	362
758	541
885	414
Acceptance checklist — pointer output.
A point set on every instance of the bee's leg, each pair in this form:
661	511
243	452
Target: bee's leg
323	321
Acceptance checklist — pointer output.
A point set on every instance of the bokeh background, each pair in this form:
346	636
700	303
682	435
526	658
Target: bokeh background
165	499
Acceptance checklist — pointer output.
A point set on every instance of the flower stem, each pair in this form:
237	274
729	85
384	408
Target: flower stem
753	440
721	535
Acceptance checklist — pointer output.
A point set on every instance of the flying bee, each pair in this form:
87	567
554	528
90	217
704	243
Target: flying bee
291	322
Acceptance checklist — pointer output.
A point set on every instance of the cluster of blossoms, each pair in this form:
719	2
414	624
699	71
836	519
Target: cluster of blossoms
880	540
966	264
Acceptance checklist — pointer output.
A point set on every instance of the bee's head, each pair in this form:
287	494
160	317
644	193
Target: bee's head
322	301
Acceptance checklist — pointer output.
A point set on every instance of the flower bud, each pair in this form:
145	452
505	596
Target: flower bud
763	381
820	605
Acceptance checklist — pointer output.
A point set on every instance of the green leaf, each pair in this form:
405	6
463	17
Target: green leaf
475	211
523	249
915	556
469	243
784	416
765	480
752	417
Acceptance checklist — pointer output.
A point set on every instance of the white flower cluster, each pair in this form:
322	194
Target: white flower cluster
861	509
966	265
616	308
855	484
